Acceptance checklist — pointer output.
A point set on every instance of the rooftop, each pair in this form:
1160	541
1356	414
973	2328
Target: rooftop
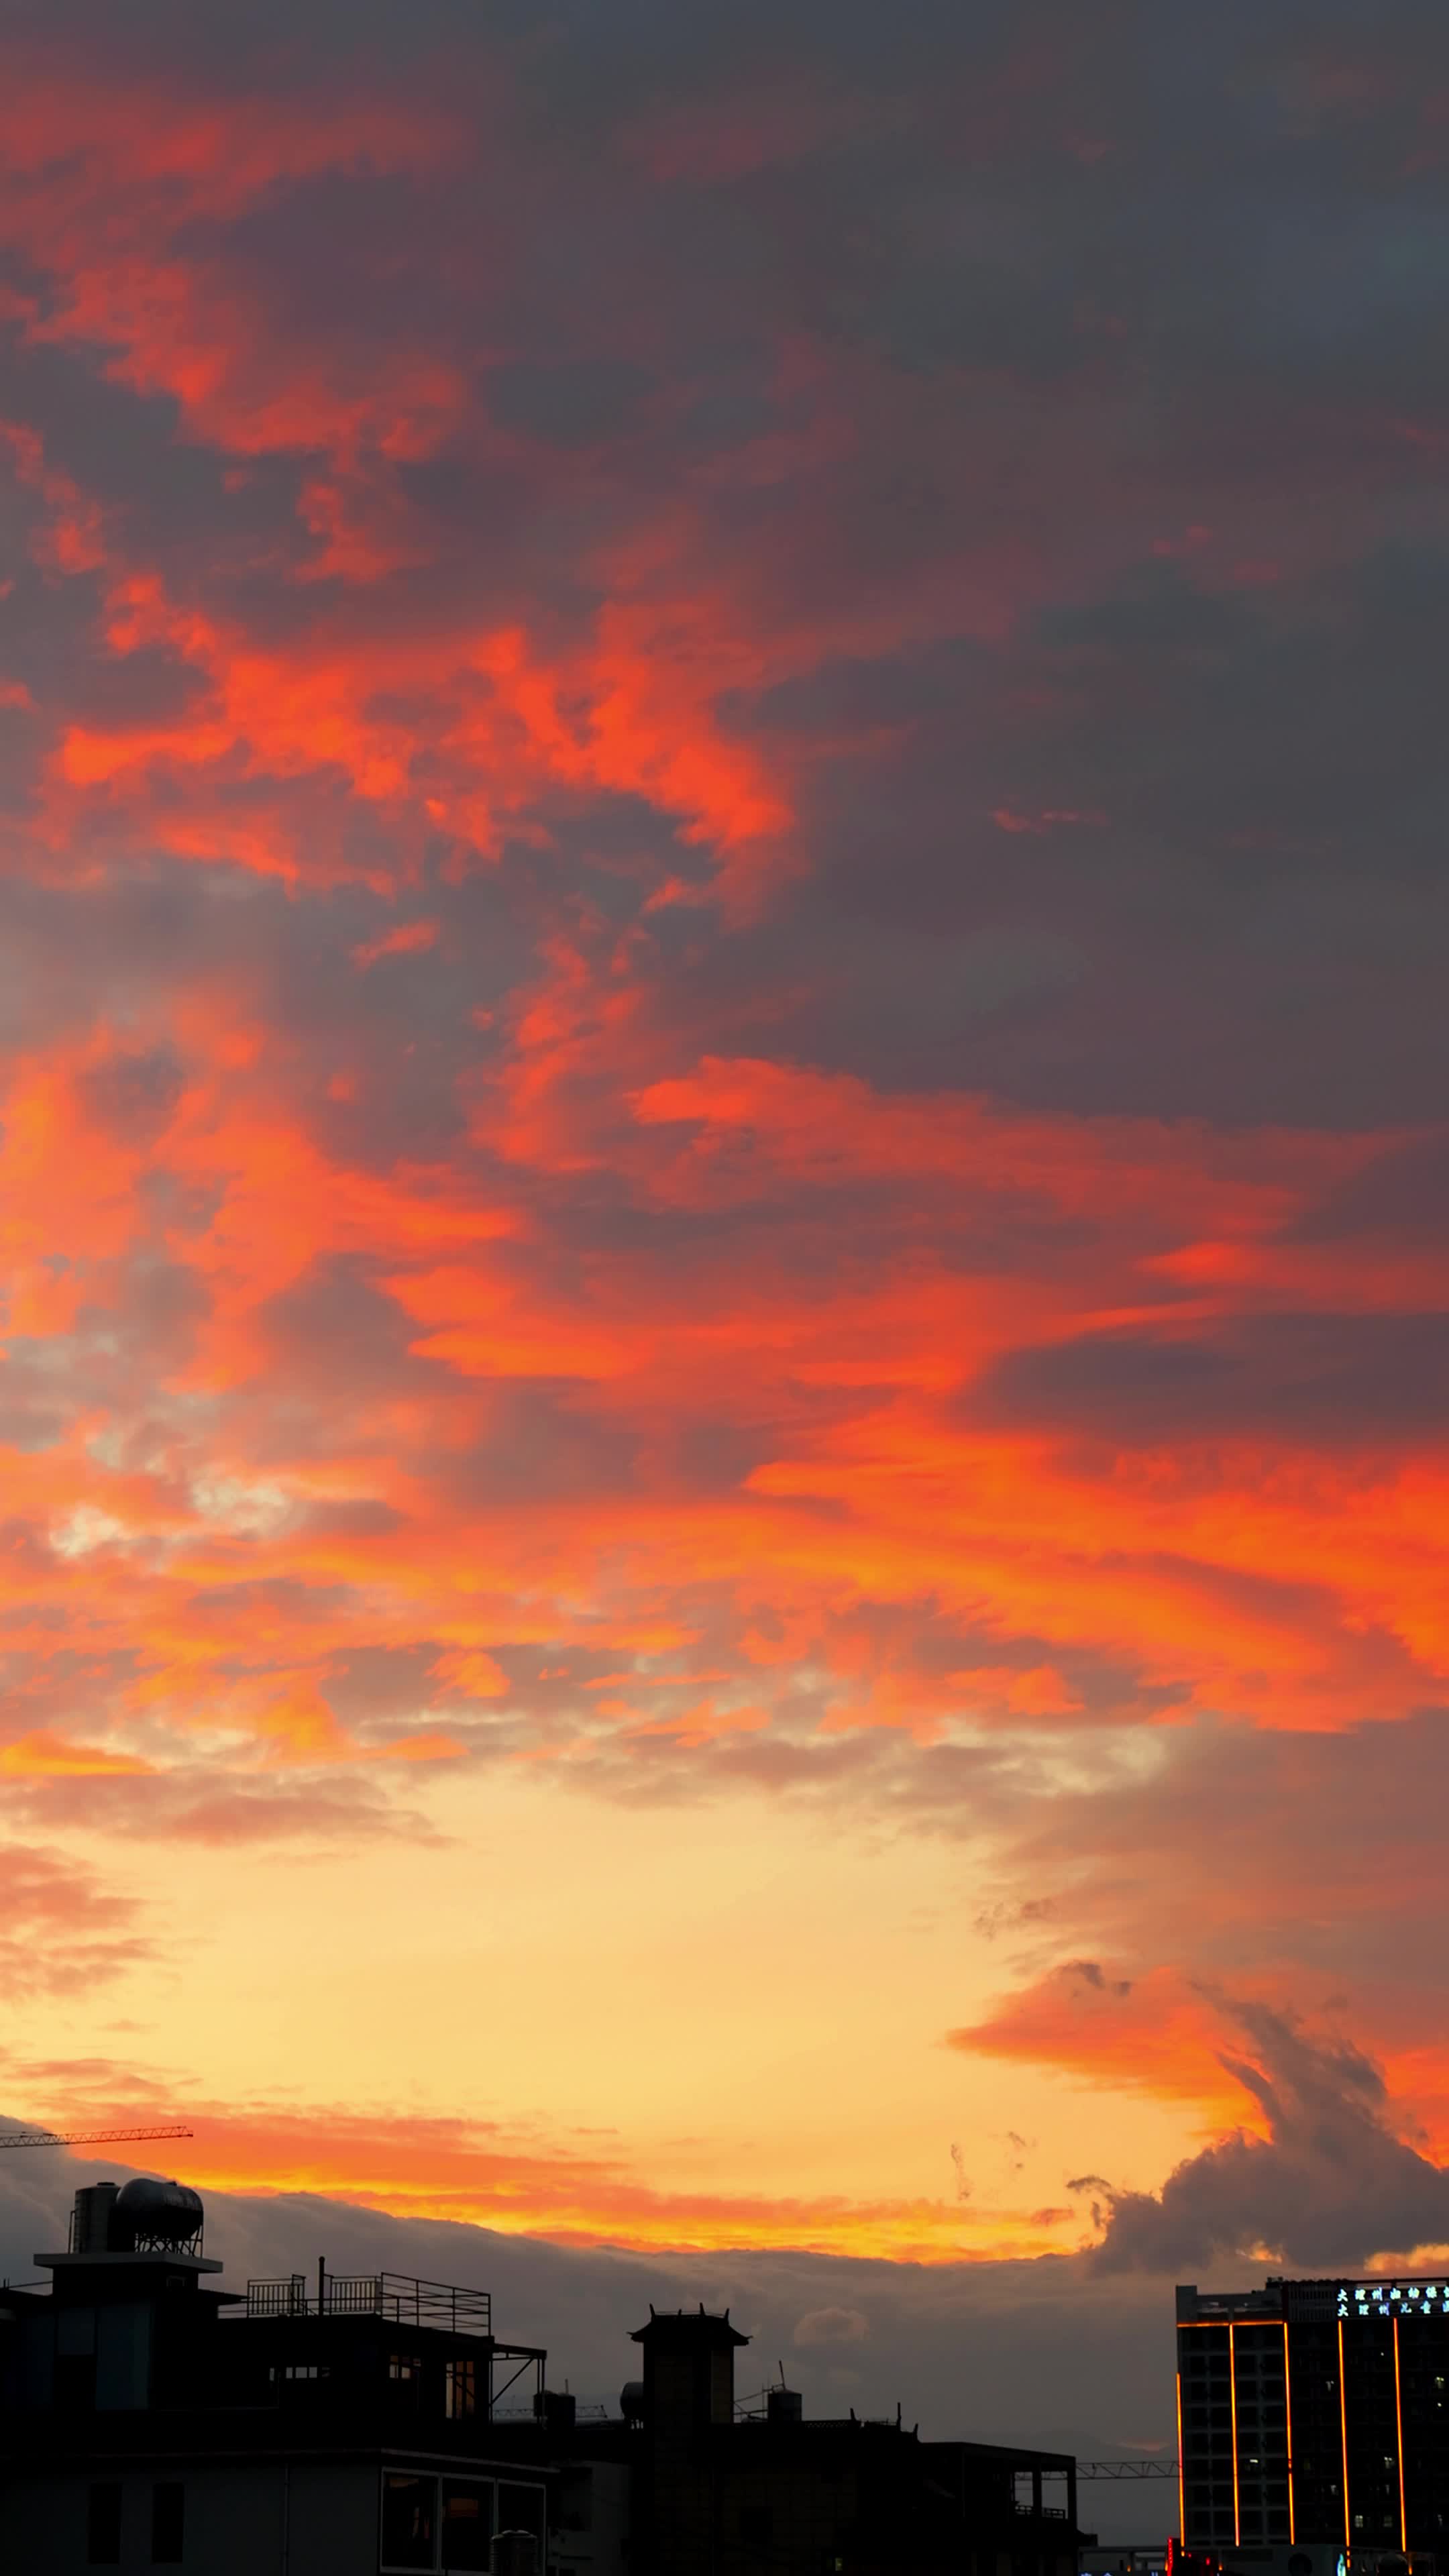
397	2296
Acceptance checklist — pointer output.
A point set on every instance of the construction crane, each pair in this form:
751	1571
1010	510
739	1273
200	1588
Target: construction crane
1159	2465
87	2137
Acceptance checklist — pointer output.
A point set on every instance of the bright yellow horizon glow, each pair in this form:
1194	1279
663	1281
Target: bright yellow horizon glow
710	2026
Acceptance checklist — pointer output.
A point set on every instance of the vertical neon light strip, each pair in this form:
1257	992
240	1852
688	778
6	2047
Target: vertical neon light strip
1233	2403
1288	2403
1343	2426
1181	2488
1399	2438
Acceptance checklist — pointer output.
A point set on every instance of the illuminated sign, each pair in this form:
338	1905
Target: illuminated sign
1393	2298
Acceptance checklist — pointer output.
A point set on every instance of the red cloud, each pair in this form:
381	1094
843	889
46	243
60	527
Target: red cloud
407	939
885	1466
103	178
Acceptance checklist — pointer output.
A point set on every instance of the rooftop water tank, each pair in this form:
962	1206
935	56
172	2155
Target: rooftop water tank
149	2213
90	2226
514	2553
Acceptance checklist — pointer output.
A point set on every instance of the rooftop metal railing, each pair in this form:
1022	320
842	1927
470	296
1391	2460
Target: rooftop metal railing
395	2296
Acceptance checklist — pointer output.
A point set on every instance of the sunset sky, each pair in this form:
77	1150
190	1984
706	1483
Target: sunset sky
724	1114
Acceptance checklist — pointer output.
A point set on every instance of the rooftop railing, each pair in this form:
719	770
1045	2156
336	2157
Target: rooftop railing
395	2296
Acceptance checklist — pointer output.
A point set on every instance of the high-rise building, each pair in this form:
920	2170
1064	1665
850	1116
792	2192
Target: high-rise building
1314	2424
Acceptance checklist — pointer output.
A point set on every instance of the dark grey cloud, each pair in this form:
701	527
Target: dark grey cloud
572	402
1245	733
132	1092
1402	1195
1333	1379
1304	1858
1332	2187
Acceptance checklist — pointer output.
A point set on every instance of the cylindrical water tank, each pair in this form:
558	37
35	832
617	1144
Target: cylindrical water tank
631	2401
90	2226
156	2213
784	2406
514	2553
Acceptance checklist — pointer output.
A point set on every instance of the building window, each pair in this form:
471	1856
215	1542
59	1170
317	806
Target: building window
168	2523
409	2511
460	2387
404	2365
467	2523
103	2525
755	2525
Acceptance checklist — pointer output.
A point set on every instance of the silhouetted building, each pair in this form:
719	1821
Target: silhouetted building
151	2420
376	2426
1313	2424
785	2492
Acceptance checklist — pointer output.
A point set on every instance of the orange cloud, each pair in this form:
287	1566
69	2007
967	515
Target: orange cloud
42	1755
1149	2033
408	939
60	1930
522	2184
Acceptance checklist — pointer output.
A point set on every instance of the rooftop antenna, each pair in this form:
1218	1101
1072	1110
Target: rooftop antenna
87	2137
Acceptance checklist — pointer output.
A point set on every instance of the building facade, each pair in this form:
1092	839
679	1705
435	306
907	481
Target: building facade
1313	2424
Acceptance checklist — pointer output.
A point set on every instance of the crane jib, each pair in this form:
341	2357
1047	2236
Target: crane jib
87	2137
